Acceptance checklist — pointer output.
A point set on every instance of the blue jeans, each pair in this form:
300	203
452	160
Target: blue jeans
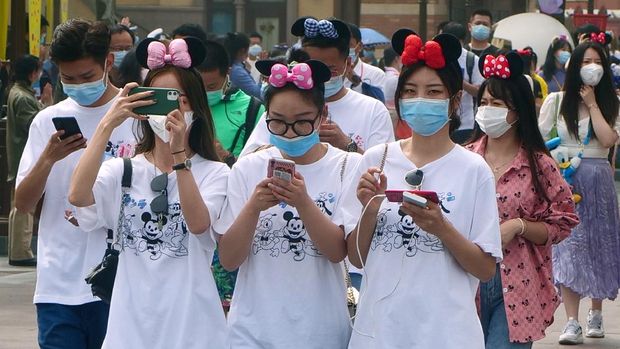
493	316
72	326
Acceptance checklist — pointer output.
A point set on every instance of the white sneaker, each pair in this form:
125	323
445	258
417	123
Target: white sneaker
572	333
594	326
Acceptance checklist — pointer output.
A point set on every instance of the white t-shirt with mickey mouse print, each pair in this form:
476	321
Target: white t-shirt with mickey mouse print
287	294
415	294
164	293
65	253
364	119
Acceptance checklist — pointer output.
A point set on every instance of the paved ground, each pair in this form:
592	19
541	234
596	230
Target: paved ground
18	322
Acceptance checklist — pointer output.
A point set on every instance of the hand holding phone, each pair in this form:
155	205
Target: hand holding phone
166	100
281	168
68	124
398	195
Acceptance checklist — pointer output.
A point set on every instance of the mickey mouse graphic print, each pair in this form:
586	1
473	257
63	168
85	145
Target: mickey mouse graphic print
415	294
164	292
288	295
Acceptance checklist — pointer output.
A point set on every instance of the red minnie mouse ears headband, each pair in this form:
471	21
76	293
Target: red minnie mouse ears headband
509	66
436	53
183	53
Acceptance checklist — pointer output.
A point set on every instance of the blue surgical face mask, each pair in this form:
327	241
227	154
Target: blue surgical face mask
295	147
352	54
480	32
425	116
255	50
563	57
334	85
89	92
118	58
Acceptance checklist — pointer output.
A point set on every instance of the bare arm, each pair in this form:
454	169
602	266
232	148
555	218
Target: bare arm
471	89
31	188
85	173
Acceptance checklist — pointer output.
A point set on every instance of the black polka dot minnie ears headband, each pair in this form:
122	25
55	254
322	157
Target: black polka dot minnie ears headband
436	53
328	29
303	75
505	67
183	53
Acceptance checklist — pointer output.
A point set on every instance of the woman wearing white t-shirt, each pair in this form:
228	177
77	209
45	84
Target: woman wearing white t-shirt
164	293
286	236
423	265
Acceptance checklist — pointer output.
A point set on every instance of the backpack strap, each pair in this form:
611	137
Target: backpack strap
469	64
127	173
250	121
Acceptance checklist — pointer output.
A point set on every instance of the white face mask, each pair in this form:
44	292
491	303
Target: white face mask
492	120
591	74
158	125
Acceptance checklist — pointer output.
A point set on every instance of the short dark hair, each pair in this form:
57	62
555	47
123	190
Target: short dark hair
216	58
456	29
481	12
24	66
256	35
440	26
235	43
355	32
119	28
78	38
316	95
190	29
130	69
389	55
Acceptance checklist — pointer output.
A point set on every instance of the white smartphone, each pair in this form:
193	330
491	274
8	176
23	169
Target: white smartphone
415	199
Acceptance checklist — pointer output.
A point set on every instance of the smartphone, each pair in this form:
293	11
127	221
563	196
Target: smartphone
67	123
281	168
415	199
397	195
167	100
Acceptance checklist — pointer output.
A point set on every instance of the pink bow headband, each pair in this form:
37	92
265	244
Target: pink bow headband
177	54
300	75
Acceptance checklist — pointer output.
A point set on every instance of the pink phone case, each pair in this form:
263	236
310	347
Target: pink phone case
281	168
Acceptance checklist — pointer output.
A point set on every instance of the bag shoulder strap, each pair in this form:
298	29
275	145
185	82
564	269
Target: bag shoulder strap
250	117
385	152
469	64
125	184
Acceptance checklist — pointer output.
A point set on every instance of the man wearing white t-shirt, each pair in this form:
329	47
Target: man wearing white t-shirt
362	71
68	315
472	79
355	122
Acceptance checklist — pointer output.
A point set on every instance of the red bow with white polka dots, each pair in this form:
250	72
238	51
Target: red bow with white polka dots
496	66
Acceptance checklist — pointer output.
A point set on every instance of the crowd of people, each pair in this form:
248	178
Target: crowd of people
451	195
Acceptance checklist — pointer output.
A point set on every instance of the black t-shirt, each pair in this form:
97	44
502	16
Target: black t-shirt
491	50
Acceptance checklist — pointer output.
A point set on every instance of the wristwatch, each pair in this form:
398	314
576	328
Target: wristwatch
185	165
352	147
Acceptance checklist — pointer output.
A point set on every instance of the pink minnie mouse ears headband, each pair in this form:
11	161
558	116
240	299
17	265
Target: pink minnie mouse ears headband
303	75
182	53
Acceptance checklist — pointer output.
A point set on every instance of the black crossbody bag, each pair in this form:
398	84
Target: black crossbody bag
101	279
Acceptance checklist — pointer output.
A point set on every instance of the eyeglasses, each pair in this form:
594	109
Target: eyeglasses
415	178
300	127
159	205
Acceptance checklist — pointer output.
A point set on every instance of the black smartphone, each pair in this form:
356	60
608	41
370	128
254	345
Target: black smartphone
167	100
68	124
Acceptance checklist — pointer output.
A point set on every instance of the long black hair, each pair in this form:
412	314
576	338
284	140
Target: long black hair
549	66
518	96
606	97
202	133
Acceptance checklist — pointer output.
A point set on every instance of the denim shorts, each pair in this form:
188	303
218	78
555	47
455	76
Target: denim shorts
72	326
